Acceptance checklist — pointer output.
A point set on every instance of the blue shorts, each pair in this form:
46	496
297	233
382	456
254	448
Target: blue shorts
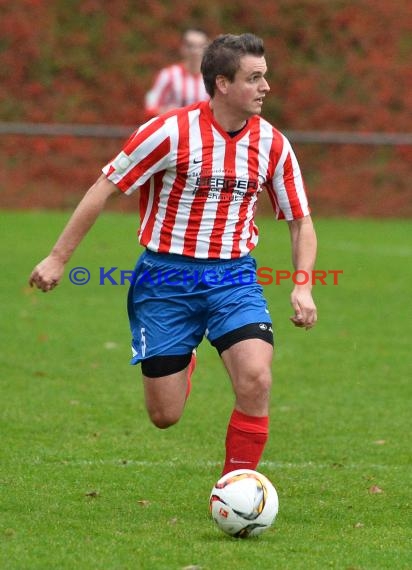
174	301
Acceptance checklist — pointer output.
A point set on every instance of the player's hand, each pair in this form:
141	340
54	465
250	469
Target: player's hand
305	309
47	274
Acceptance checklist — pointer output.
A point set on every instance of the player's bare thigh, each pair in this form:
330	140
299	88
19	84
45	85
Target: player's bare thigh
248	363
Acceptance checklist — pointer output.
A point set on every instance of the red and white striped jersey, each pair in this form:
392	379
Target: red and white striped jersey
175	87
199	186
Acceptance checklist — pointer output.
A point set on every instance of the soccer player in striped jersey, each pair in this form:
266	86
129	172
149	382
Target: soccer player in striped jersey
182	83
199	171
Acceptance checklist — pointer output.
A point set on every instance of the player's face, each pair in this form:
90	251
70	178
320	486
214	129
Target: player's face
249	88
193	47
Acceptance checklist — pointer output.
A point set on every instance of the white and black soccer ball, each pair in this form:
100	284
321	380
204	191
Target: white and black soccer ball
244	503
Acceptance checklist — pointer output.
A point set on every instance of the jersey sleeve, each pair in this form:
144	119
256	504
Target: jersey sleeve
286	186
144	154
159	94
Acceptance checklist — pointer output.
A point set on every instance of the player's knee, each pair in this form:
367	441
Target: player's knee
163	419
256	383
262	381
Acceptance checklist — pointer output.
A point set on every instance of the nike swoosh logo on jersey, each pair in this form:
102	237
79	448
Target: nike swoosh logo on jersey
197	160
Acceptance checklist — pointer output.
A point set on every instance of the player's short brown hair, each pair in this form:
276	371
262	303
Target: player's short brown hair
222	57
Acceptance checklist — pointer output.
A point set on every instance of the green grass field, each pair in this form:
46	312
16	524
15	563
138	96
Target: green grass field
88	483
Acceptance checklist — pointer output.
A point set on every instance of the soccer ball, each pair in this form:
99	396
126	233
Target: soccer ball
244	503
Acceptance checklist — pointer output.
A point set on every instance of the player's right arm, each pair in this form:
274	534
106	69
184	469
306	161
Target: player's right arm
48	273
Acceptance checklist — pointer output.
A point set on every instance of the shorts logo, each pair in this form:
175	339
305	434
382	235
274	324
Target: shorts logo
263	327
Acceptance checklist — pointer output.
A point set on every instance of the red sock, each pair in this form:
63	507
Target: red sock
245	441
192	366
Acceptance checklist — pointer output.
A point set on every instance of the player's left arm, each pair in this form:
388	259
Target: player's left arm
304	246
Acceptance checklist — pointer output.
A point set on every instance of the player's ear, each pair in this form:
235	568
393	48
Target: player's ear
222	83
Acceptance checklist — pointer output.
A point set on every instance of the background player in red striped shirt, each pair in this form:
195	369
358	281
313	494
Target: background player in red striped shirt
180	84
199	171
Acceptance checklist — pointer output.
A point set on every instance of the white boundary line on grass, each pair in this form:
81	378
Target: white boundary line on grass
202	464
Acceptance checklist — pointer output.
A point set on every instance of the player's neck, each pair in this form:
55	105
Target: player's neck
230	122
192	68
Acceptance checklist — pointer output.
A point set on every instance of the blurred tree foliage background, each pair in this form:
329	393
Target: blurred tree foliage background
333	65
